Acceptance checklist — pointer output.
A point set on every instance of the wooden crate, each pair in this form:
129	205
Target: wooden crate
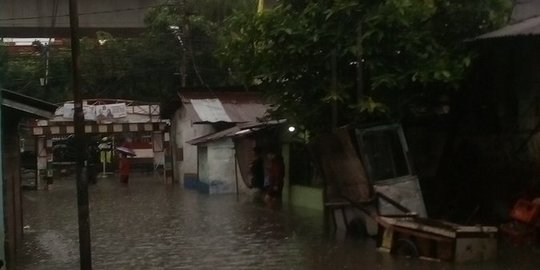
447	242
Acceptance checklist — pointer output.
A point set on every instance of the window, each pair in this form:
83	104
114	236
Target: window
300	166
383	152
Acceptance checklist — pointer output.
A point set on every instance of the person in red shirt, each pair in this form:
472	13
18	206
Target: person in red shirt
125	168
125	163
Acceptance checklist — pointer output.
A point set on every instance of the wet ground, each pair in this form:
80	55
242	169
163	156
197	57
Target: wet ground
149	225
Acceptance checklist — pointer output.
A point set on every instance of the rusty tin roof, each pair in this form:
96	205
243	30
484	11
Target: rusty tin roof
230	107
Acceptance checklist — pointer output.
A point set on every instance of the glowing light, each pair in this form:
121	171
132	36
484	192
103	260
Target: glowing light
292	129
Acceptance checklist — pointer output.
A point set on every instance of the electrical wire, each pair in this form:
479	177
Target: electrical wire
195	68
48	47
85	13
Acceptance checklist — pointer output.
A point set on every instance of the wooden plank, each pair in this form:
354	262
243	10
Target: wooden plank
422	234
341	167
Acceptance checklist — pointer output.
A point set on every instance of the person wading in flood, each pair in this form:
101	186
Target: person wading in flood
125	163
256	169
275	174
92	162
125	168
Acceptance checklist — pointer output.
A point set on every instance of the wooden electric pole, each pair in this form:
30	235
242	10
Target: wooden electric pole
359	64
78	119
183	39
333	89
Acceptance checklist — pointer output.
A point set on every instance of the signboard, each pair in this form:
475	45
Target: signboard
100	113
110	111
89	111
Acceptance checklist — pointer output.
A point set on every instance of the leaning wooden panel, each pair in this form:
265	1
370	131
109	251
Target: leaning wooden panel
341	167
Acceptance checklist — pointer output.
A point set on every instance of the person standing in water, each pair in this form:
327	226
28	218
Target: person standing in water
125	168
276	173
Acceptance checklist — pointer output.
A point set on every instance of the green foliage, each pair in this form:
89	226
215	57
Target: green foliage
22	73
144	67
410	48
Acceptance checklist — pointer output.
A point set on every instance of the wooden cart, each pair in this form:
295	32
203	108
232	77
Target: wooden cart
395	204
439	240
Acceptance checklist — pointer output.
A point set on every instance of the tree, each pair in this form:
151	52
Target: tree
22	72
408	49
143	67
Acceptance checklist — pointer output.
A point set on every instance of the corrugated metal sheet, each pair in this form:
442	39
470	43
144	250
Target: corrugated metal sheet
231	107
214	136
524	28
210	110
239	130
27	105
525	9
524	21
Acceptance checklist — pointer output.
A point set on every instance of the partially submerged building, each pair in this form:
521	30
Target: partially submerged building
15	107
198	114
115	120
492	149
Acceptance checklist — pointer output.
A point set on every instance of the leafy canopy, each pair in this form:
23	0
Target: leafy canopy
144	67
407	48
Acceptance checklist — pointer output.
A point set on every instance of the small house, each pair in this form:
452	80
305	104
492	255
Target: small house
15	107
198	114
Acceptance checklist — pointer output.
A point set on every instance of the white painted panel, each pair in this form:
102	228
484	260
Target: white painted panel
406	191
210	110
221	165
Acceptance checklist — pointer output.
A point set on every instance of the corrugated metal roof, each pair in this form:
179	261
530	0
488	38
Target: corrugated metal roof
27	105
525	28
524	21
215	136
239	130
525	9
231	107
210	110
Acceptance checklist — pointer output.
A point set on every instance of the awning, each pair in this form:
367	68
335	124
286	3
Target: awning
99	128
239	130
227	133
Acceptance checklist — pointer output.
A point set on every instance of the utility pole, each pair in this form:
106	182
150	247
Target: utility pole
183	40
78	119
333	67
359	64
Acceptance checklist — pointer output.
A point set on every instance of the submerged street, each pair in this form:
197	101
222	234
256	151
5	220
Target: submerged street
149	225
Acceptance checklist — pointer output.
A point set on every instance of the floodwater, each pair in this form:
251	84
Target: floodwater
149	225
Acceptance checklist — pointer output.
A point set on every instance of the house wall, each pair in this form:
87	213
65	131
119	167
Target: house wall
12	180
307	197
185	156
2	204
222	170
485	154
174	146
219	172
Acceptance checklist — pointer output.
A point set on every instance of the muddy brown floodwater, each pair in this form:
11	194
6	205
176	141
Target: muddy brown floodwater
149	225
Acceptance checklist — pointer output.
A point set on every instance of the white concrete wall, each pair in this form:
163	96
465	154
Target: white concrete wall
221	167
174	145
184	132
204	175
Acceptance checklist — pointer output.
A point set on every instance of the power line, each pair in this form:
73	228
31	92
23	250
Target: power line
85	13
